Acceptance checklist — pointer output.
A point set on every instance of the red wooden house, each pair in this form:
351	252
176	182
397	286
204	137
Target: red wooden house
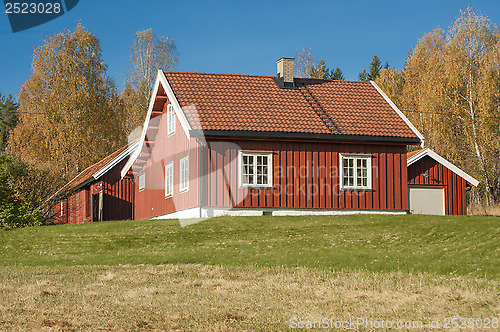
98	193
436	186
221	144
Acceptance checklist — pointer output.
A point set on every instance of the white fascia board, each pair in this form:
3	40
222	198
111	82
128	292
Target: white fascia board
137	151
444	162
131	148
398	111
417	156
160	79
173	100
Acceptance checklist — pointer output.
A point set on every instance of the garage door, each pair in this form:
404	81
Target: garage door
426	200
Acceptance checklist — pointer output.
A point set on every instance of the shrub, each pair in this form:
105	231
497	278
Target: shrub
17	208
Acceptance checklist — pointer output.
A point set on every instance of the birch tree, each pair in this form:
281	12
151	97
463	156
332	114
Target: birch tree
452	92
70	115
148	54
304	62
392	83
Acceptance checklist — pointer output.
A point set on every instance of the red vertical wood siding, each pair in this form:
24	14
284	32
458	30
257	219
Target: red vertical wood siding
117	199
117	196
75	209
306	175
440	176
151	201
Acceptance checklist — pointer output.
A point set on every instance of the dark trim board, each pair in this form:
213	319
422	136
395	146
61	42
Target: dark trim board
303	136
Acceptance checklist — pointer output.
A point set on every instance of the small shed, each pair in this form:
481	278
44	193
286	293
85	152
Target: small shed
97	193
436	186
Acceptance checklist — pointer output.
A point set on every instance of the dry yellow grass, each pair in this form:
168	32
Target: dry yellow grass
215	298
480	210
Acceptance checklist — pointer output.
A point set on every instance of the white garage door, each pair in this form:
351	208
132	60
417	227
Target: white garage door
426	200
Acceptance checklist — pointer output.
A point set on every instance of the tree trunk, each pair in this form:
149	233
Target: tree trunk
480	156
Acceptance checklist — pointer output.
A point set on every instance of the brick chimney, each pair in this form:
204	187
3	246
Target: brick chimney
285	70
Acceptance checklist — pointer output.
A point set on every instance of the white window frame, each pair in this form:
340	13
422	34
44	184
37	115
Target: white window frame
169	179
184	174
255	154
62	208
142	181
170	120
356	157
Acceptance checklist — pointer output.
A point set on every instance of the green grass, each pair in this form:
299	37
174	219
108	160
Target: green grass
456	245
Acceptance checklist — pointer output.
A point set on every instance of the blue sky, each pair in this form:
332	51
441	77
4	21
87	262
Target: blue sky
244	37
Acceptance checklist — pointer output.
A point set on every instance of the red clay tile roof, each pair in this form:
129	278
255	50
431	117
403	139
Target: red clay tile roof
87	173
412	153
256	103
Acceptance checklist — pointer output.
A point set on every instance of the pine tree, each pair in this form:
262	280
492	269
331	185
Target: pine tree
320	71
363	76
336	74
375	68
8	118
374	71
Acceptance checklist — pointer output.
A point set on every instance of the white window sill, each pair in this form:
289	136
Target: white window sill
258	186
356	188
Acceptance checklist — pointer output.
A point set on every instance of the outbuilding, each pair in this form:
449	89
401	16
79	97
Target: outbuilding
98	193
436	186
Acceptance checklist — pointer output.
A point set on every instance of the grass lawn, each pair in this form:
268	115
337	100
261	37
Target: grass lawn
253	273
468	246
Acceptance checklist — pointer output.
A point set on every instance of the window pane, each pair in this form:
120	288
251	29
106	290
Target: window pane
355	172
261	170
248	169
184	173
169	179
255	169
351	181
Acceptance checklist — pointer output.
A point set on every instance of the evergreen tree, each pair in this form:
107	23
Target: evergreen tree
320	71
374	71
375	68
336	74
8	118
363	76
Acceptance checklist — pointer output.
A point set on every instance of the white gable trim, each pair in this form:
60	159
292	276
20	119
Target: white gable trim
160	79
131	148
178	110
395	108
444	162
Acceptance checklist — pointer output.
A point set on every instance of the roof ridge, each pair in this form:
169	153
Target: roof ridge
262	76
218	74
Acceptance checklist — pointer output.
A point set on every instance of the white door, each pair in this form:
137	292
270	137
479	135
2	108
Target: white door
426	200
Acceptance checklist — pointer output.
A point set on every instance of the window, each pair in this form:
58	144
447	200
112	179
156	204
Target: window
62	207
184	174
169	179
356	171
256	169
142	181
170	120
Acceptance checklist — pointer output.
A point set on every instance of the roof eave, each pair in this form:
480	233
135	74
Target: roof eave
428	152
302	136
